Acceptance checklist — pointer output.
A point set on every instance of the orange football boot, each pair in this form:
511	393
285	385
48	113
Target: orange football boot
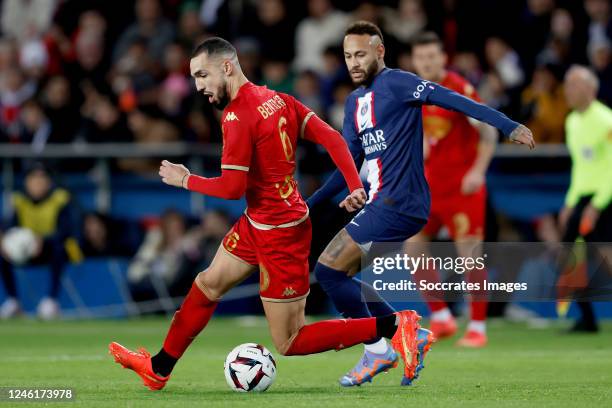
139	362
404	341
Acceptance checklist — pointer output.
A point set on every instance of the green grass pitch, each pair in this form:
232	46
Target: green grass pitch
520	368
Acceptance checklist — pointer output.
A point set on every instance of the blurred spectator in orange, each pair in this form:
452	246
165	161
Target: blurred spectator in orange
544	106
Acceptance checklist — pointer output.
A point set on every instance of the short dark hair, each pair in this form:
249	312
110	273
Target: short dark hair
425	38
214	46
364	27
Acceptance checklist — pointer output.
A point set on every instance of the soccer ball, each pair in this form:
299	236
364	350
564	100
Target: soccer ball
250	367
19	245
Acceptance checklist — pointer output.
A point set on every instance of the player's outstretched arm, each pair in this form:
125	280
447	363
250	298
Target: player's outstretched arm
231	185
318	131
448	99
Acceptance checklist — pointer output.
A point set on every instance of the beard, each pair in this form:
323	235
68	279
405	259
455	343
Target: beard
368	74
223	98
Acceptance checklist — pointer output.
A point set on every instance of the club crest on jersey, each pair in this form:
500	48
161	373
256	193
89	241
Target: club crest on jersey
364	114
230	116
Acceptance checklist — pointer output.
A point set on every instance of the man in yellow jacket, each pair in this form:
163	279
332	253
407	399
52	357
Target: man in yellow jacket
588	211
42	212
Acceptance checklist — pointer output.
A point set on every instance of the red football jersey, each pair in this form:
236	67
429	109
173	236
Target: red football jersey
452	140
260	132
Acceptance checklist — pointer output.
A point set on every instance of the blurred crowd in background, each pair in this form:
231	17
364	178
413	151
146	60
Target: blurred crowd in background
102	71
96	71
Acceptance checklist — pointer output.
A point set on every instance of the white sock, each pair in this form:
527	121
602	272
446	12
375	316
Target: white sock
380	347
479	326
441	315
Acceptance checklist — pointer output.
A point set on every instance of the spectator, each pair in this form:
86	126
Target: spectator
148	127
175	87
544	106
23	19
505	61
160	260
274	30
323	27
61	110
15	91
150	27
45	210
307	90
37	128
600	27
104	122
190	29
278	76
600	56
467	64
104	236
407	20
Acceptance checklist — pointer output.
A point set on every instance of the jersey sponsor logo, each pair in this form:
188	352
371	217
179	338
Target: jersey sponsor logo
230	117
373	142
421	87
364	114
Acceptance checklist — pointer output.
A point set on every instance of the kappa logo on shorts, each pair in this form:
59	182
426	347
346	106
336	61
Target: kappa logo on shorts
289	291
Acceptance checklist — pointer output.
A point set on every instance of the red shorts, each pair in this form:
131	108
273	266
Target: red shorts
463	215
280	253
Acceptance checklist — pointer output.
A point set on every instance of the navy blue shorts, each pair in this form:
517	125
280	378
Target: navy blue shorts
374	224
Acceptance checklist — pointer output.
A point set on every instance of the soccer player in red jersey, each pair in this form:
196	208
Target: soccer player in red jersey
260	132
458	151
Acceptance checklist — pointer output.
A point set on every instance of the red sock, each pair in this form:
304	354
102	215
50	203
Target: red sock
188	321
332	335
434	298
479	299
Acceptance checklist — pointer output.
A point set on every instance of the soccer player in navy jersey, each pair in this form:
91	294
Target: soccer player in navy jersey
383	125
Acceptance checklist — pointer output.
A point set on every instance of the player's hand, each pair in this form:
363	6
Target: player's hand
522	135
355	200
472	182
174	174
589	218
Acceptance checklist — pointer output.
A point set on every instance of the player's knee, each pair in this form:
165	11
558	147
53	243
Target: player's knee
210	285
